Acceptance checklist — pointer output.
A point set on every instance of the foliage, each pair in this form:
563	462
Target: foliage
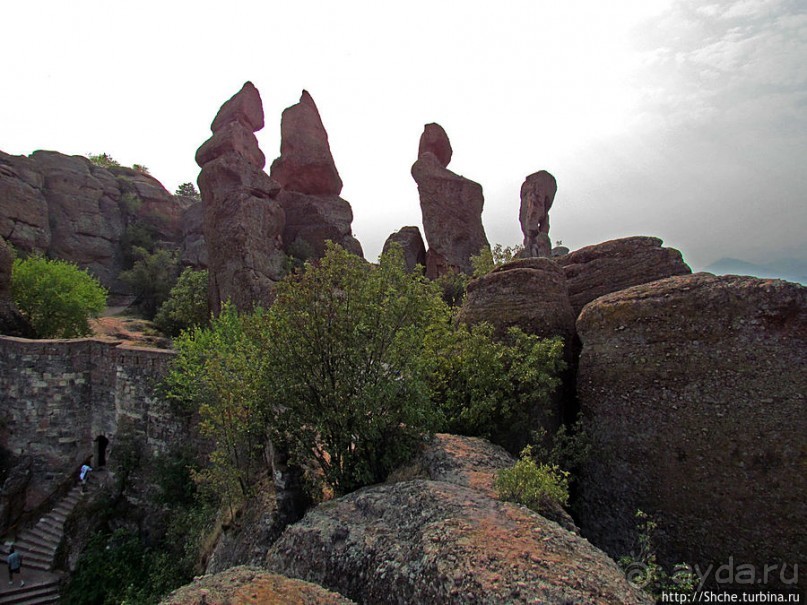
642	568
151	278
56	297
121	566
539	487
297	253
140	168
569	448
136	235
345	375
104	160
130	202
487	259
186	306
452	287
217	370
494	389
188	190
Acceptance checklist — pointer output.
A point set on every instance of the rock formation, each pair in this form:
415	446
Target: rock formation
241	585
12	323
243	222
451	207
618	264
537	195
69	208
411	243
194	248
425	541
529	293
310	185
694	388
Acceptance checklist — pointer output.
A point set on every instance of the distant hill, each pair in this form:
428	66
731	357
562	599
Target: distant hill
790	269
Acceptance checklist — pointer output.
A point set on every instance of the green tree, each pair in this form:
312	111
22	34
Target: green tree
186	306
346	377
58	298
140	168
188	190
495	389
151	278
219	372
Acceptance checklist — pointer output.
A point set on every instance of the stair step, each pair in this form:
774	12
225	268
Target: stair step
39	541
46	530
31	594
52	523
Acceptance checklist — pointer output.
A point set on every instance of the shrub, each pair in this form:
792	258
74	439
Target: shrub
487	260
151	278
58	298
539	487
494	389
140	168
104	160
186	306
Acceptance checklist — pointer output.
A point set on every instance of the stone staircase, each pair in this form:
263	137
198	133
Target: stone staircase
38	545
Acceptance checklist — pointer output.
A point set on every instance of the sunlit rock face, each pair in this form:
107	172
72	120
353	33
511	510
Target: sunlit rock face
693	391
243	221
310	185
537	194
451	206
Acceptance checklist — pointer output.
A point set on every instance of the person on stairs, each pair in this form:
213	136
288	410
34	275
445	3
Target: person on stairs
14	566
84	475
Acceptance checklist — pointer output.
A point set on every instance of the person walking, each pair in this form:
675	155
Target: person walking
14	566
84	475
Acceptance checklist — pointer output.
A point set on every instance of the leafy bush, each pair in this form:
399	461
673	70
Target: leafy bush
56	297
494	389
186	306
151	278
140	168
452	287
539	487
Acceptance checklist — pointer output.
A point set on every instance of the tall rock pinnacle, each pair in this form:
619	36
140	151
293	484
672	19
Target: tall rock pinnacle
537	195
243	222
451	207
310	185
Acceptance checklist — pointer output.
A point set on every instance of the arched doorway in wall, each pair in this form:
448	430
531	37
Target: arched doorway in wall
100	446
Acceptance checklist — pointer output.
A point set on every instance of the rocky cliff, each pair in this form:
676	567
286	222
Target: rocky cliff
69	208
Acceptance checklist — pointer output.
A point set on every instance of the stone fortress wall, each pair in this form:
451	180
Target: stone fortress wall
64	402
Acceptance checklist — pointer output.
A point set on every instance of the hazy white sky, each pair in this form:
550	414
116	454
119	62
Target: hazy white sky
677	118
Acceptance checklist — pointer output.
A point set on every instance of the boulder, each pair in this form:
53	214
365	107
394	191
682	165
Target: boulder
305	164
241	585
243	221
425	541
530	294
537	195
451	207
6	262
618	264
411	242
23	207
694	391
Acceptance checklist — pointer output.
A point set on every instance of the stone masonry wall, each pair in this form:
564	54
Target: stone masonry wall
58	396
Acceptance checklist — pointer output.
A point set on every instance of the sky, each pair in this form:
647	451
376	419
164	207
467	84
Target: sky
682	119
